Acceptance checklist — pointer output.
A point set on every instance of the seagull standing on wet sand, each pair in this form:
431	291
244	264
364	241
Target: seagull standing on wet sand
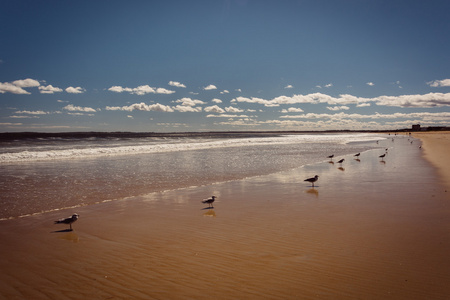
357	154
312	179
210	201
68	220
382	156
331	156
341	161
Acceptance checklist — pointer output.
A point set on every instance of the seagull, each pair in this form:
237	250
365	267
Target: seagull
312	179
331	156
341	161
357	154
382	155
69	220
210	201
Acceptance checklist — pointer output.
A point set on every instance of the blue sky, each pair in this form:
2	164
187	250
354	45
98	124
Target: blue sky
211	65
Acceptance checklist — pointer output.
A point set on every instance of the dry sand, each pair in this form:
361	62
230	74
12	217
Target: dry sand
371	229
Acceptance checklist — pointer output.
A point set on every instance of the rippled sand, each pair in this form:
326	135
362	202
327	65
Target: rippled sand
370	229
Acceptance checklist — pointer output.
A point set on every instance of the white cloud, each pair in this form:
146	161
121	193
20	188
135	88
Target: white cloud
140	90
225	92
176	84
439	83
142	107
49	89
289	86
80	114
363	104
248	122
210	87
255	100
292	109
370	83
26	83
325	86
116	89
6	87
183	108
189	102
238	90
24	117
75	90
335	108
215	100
38	112
227	116
164	91
11	124
71	107
232	109
214	109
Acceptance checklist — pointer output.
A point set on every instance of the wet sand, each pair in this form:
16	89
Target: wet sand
436	145
370	229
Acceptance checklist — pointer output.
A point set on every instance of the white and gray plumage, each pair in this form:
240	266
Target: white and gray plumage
312	179
68	220
210	201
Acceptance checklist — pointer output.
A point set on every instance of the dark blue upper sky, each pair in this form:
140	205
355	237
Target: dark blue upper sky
223	65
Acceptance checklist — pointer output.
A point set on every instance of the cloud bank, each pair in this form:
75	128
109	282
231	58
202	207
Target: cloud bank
140	90
439	83
425	101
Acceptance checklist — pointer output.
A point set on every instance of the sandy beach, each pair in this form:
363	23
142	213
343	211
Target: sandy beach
436	145
371	228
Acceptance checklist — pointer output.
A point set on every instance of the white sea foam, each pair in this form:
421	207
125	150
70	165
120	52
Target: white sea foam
171	145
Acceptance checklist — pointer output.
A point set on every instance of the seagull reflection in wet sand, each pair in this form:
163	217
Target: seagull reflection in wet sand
210	201
313	191
68	220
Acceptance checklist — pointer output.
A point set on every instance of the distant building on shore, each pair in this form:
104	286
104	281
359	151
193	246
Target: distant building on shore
416	127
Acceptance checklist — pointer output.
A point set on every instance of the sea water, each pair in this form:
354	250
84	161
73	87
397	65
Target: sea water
44	174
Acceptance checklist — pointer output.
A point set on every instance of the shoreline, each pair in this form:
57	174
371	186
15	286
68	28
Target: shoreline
371	228
436	147
10	136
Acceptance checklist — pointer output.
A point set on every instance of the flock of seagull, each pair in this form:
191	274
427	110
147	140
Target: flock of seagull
315	178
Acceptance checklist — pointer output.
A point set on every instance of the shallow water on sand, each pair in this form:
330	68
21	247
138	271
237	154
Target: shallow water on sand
45	175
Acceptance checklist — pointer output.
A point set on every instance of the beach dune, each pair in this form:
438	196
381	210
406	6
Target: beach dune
367	230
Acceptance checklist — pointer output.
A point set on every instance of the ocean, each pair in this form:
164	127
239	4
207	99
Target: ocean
41	173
